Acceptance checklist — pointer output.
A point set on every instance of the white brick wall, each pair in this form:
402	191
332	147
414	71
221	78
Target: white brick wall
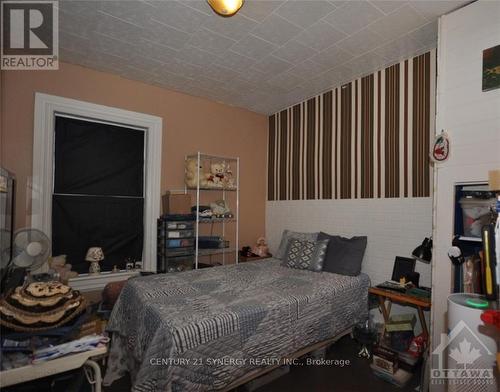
472	119
394	227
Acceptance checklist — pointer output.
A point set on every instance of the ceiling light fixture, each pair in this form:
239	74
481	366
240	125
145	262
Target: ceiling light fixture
225	7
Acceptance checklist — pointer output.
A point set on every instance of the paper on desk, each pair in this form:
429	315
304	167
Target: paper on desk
86	343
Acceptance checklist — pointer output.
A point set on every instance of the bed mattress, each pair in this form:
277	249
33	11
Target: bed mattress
201	330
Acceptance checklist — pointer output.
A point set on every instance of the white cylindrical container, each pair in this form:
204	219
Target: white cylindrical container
471	348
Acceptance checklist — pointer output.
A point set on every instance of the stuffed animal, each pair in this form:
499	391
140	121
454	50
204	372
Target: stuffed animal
191	174
261	249
58	265
228	178
216	177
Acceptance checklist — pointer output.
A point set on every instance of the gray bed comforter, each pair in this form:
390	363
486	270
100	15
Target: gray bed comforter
201	330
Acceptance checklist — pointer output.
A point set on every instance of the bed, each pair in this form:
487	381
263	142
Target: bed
205	329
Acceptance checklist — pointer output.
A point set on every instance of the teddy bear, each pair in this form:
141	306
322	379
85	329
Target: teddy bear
216	177
58	265
191	175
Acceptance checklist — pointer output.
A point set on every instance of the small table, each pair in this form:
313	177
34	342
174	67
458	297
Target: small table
87	359
404	299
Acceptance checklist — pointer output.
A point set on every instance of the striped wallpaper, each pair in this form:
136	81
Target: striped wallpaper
367	139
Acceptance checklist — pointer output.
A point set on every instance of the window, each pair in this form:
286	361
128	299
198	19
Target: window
98	195
61	184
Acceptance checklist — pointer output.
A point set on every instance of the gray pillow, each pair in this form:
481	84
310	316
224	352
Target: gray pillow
344	255
287	235
304	254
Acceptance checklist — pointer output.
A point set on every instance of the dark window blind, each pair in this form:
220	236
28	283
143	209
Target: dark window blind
98	197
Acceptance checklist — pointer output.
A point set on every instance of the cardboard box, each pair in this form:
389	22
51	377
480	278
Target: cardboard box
176	203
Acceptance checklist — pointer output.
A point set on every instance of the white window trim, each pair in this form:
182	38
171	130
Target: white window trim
46	108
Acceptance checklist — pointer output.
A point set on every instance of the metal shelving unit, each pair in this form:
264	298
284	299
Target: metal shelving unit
202	159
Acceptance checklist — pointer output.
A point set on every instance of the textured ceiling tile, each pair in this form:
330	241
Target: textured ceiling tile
272	65
399	22
143	62
253	76
253	46
294	52
207	82
210	41
135	12
427	34
199	5
220	73
353	16
81	24
286	80
179	67
196	56
366	64
320	36
112	46
185	46
179	16
117	28
332	56
165	35
338	74
74	42
156	51
76	6
387	6
304	13
258	10
396	50
235	27
240	87
363	41
308	69
433	9
235	61
270	90
277	30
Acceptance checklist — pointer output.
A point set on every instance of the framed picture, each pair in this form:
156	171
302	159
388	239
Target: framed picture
491	68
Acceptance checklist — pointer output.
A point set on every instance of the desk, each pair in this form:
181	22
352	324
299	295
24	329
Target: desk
404	299
87	359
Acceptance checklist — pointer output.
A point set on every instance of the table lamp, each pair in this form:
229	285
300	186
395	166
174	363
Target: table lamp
94	256
423	252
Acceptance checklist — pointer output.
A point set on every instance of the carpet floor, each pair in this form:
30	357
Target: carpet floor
356	377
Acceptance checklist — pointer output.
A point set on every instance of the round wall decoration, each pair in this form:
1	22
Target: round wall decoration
441	147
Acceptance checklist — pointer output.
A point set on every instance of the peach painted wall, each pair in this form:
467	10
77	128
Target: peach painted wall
189	124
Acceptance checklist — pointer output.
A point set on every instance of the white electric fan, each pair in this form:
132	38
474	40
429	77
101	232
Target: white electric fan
31	249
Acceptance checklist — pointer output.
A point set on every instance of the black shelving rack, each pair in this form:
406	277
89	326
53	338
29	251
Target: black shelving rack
176	243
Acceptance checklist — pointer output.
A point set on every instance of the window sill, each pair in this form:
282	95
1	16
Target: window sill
87	282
